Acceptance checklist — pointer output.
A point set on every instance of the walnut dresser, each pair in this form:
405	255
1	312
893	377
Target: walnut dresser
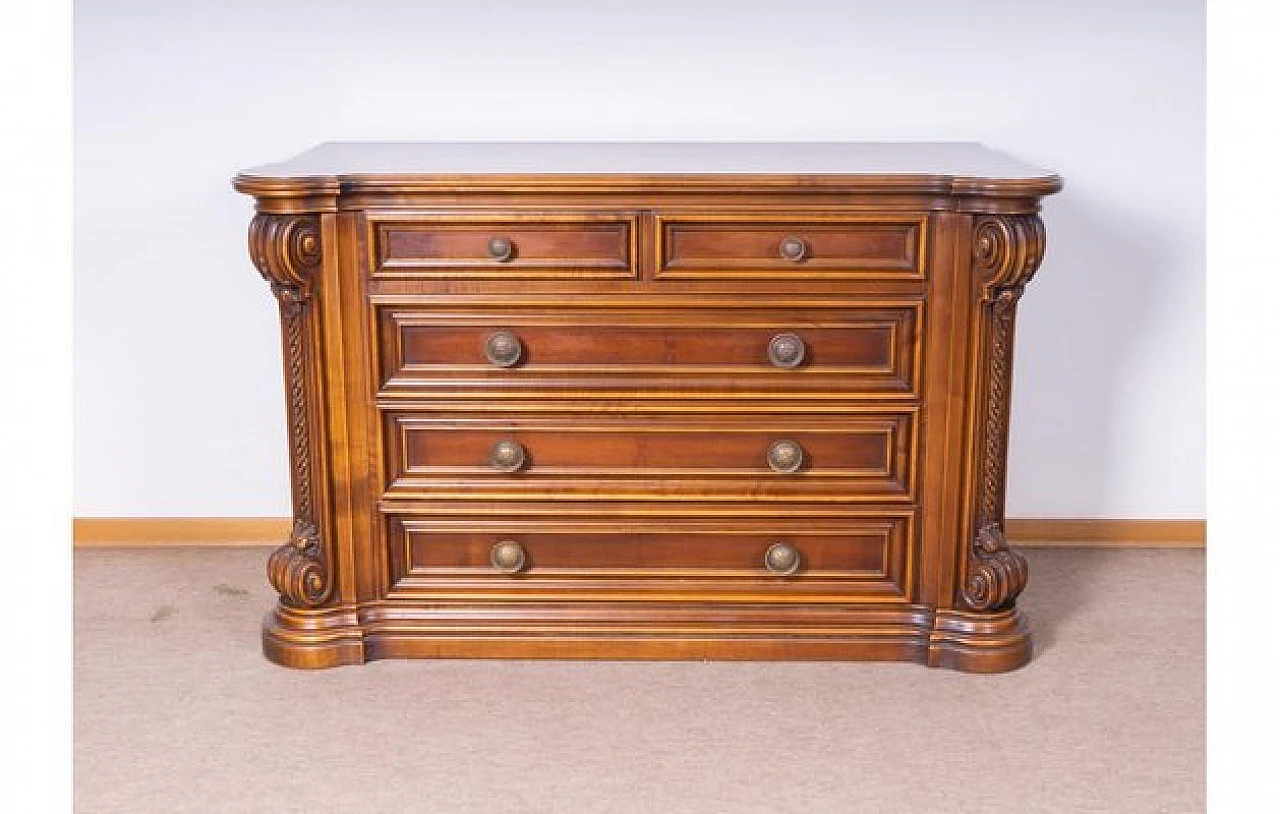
648	401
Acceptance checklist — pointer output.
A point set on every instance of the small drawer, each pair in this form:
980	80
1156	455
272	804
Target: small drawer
583	245
767	557
859	458
779	246
704	352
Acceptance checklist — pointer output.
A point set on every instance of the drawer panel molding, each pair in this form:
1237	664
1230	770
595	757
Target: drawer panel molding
868	349
780	245
865	557
662	458
503	245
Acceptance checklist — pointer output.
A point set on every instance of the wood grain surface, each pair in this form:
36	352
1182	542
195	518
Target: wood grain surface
648	401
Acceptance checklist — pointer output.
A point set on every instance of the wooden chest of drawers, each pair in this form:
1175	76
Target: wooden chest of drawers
648	400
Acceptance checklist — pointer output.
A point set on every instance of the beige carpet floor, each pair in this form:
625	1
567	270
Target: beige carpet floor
177	711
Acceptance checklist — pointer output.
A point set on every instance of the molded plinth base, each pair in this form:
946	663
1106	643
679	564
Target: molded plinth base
972	642
980	642
329	637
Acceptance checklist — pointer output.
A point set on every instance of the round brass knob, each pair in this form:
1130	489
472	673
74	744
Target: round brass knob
501	249
507	456
782	559
503	349
785	456
507	556
786	350
793	249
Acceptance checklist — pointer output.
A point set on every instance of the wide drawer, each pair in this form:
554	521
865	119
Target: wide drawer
850	458
783	245
860	556
736	348
568	246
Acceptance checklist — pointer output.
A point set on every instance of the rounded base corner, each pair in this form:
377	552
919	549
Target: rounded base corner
979	642
312	640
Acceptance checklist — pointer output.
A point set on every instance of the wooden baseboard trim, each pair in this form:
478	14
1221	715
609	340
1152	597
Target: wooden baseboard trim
1106	532
179	531
163	532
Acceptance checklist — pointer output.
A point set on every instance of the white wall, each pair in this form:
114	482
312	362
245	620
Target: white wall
179	404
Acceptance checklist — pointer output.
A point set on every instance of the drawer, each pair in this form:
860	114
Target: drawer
702	352
668	458
862	556
801	246
571	246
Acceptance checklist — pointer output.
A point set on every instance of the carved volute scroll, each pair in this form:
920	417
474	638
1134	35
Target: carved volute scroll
1007	250
286	251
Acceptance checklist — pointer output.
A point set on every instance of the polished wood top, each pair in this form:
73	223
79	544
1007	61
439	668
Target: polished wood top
315	179
339	159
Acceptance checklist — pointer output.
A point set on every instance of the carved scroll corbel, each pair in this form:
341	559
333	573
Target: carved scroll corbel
1007	250
286	251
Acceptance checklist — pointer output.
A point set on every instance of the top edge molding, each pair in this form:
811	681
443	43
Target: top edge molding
314	180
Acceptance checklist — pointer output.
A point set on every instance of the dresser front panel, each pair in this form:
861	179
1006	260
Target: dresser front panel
856	558
702	349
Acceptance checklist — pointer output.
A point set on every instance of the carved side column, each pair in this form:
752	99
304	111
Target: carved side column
286	251
1007	250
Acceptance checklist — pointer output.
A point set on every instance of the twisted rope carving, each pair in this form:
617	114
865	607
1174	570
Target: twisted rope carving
995	435
286	251
293	316
1007	250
